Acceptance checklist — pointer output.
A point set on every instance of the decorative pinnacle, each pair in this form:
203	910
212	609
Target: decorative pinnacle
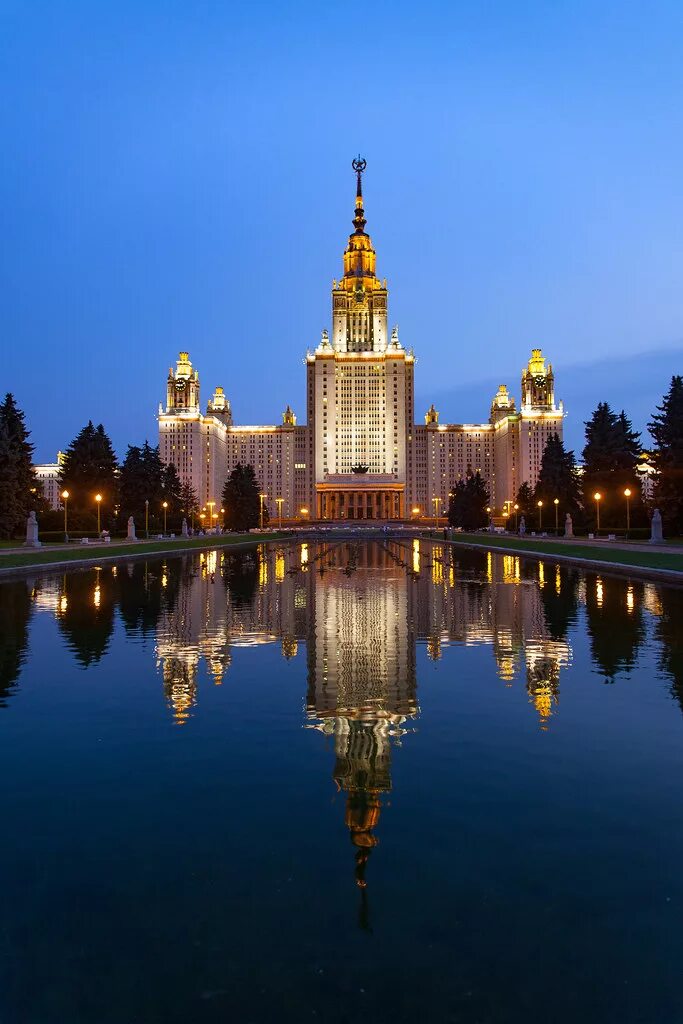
359	165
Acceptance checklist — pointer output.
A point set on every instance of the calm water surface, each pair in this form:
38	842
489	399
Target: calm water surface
340	782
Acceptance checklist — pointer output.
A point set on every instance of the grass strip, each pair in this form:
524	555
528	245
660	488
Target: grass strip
91	552
643	559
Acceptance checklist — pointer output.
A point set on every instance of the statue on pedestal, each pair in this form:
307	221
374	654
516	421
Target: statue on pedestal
568	526
131	529
184	528
32	532
656	535
522	526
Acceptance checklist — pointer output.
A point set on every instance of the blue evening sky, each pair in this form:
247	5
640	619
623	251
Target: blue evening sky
177	175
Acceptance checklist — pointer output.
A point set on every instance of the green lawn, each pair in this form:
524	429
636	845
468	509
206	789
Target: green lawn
84	552
655	559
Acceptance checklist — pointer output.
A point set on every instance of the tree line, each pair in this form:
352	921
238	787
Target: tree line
144	487
141	486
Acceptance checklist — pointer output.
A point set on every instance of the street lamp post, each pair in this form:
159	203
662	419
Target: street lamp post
597	497
98	499
263	498
212	516
516	508
556	503
278	502
437	503
303	512
164	505
65	498
627	495
147	518
540	515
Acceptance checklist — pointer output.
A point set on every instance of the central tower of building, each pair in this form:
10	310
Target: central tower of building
360	392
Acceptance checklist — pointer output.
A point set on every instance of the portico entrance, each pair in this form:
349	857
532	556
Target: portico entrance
360	503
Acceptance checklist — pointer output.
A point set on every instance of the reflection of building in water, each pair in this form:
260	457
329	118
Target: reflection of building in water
456	602
362	681
361	608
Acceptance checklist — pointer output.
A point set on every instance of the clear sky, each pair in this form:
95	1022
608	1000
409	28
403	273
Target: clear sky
177	175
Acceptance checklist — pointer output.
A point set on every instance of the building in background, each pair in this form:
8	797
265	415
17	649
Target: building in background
360	454
48	475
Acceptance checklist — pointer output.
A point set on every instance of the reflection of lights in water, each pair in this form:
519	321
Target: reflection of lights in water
451	577
304	554
508	569
541	574
558	580
630	599
96	596
63	603
113	570
598	592
416	555
517	569
211	562
263	571
437	565
489	567
279	565
164	580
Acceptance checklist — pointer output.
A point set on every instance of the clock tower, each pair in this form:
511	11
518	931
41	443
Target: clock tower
538	383
182	387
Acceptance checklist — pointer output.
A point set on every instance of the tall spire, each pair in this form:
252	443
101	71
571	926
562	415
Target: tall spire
359	165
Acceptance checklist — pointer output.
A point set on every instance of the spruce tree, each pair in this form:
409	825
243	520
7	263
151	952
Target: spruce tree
666	428
241	499
610	457
468	502
525	506
558	478
172	493
189	503
19	489
90	468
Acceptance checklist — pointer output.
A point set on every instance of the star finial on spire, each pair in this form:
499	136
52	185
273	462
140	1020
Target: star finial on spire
359	165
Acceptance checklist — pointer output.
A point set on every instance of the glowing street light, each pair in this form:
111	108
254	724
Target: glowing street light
540	514
164	505
65	499
516	508
416	510
627	495
98	499
303	511
278	502
147	518
556	503
597	496
263	498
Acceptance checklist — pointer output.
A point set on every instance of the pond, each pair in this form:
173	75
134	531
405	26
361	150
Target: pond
340	781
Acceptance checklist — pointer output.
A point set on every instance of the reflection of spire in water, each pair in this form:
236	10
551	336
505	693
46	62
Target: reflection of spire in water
362	684
180	687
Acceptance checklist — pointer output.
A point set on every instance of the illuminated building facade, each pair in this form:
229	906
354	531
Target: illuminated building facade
47	474
360	454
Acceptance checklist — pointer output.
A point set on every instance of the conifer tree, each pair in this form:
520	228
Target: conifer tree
666	428
468	502
90	468
610	457
172	493
525	506
189	503
558	478
19	489
141	480
241	499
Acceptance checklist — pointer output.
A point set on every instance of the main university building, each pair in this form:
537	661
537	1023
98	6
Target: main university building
360	455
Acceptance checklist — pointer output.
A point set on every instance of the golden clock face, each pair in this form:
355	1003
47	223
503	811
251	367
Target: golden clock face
359	294
180	384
